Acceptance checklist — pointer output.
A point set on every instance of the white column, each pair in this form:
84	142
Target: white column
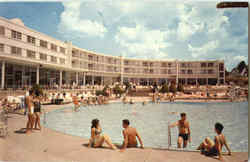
3	74
102	80
77	78
122	68
37	74
60	80
93	81
177	73
84	78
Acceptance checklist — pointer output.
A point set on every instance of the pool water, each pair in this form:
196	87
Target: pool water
151	121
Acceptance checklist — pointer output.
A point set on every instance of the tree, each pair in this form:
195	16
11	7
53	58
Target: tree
164	88
117	90
37	90
180	88
172	87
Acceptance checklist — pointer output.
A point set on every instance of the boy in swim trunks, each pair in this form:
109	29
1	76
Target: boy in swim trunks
184	131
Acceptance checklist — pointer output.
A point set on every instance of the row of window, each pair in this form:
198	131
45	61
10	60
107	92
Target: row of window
18	35
31	54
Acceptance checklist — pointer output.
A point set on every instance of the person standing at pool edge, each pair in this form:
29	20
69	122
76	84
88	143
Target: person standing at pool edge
130	135
184	131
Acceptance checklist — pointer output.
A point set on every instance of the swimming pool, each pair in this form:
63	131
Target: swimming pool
151	121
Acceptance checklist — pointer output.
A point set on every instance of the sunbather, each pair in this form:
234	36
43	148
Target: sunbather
214	148
97	137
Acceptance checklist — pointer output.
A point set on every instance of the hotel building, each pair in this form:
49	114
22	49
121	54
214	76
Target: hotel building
28	57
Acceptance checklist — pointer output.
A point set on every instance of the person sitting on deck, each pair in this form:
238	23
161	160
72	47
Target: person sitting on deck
97	138
184	131
213	148
130	135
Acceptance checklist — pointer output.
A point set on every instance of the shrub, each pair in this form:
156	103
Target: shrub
37	90
172	88
164	88
117	90
99	92
180	88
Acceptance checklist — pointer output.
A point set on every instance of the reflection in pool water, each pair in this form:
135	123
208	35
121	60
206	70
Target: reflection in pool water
151	121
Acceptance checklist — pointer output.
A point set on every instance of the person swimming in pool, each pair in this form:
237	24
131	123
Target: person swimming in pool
97	137
213	148
184	131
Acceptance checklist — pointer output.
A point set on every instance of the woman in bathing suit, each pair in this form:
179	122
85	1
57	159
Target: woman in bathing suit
213	148
97	138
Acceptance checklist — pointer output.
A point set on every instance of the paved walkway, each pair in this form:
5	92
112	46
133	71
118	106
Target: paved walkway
49	145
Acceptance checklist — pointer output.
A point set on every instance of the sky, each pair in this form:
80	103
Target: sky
159	29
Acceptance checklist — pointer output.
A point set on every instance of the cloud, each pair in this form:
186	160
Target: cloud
142	41
157	29
203	50
72	22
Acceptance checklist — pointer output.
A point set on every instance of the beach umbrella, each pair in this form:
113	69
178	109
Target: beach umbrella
232	4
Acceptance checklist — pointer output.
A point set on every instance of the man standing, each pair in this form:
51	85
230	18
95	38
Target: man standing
184	131
130	134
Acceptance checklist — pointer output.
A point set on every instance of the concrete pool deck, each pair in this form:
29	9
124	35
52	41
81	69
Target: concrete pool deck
49	145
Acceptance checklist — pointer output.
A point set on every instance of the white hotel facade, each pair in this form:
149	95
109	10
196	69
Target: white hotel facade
28	57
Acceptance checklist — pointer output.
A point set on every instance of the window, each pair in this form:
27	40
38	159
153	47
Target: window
163	64
151	71
31	54
221	74
2	30
164	71
1	47
16	35
151	64
90	66
126	70
62	50
90	58
31	39
203	71
145	64
109	60
53	47
145	70
62	61
210	71
210	64
126	62
190	71
169	71
183	71
43	43
53	59
221	67
203	64
169	64
183	65
43	57
16	50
